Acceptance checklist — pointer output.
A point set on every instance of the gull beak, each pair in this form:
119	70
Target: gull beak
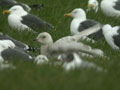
67	15
90	5
6	12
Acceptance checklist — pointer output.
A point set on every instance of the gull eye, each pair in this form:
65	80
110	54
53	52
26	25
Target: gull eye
14	9
43	37
75	12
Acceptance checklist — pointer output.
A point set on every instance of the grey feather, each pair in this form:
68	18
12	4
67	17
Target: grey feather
117	5
15	53
116	38
87	24
35	23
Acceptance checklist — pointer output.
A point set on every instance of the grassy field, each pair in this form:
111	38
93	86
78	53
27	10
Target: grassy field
29	76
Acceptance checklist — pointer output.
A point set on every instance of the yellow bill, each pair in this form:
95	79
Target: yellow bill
67	15
6	12
90	5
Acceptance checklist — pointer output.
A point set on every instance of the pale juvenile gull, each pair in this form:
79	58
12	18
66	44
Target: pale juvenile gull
73	61
19	19
81	23
50	48
112	36
93	5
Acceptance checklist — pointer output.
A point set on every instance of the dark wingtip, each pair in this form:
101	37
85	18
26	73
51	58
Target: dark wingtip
37	6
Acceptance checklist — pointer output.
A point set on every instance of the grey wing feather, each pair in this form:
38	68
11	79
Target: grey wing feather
117	5
86	24
65	47
97	35
116	38
34	22
15	53
91	23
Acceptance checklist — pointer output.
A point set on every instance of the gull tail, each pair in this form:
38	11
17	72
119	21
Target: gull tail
33	49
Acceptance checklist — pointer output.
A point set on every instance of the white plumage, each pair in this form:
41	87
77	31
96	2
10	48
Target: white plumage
5	44
71	65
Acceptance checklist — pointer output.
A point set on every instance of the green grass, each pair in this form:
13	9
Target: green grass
29	76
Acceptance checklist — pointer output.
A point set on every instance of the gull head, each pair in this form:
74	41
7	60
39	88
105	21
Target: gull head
44	38
41	59
72	61
106	28
17	9
77	13
92	3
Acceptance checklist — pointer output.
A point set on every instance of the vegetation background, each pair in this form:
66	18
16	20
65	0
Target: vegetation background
29	76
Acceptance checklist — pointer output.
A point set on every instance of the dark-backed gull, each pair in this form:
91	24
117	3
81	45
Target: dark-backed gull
112	36
80	23
20	19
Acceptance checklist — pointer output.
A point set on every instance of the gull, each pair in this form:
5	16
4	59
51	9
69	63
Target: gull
41	59
73	61
112	36
81	23
64	45
19	19
93	5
